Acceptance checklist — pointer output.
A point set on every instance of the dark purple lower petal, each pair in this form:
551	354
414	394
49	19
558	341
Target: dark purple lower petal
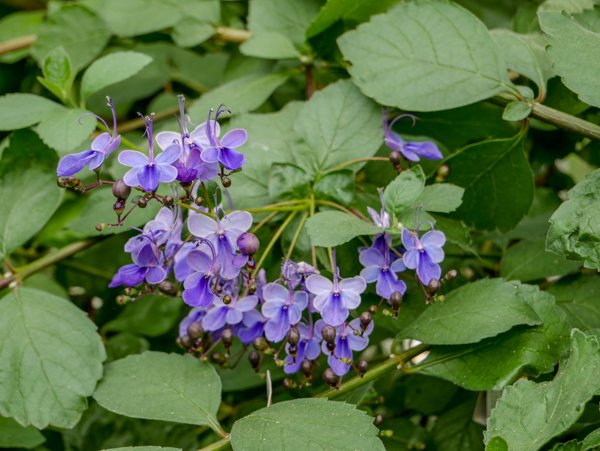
129	276
231	159
73	163
149	177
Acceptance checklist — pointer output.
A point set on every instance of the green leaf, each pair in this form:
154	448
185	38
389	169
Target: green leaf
16	25
575	52
473	312
136	17
440	198
436	55
79	31
491	172
578	297
289	18
516	111
143	448
575	225
13	435
191	32
58	73
28	193
591	441
497	444
66	129
53	369
308	423
111	69
270	45
332	228
121	345
337	186
339	124
569	6
151	316
288	181
240	95
525	54
22	110
529	260
405	190
160	386
495	362
529	414
456	430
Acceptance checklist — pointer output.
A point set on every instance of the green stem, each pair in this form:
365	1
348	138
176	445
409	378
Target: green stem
46	261
354	161
374	373
220	445
273	240
296	236
555	117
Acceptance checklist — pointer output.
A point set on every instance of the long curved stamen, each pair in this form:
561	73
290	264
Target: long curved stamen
209	132
96	116
182	116
401	116
336	272
111	105
149	120
212	251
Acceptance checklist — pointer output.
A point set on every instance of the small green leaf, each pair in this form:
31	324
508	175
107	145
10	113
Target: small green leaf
191	32
24	110
308	423
143	448
405	190
440	198
339	124
575	52
332	228
150	315
66	129
578	298
516	111
497	444
54	369
575	226
79	31
528	414
288	181
270	45
58	73
473	312
111	69
13	435
529	260
160	386
337	186
569	6
491	172
591	441
436	55
28	192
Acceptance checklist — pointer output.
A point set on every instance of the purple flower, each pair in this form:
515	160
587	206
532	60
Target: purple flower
295	274
424	254
283	308
223	234
190	165
222	150
334	299
147	263
102	146
197	291
349	337
232	313
411	150
166	226
148	171
379	269
252	326
307	349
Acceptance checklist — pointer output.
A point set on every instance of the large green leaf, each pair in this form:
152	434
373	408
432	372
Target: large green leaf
405	190
112	69
575	52
82	34
13	435
306	424
28	192
455	430
529	414
435	54
575	226
332	228
160	386
339	124
143	448
497	361
491	172
65	130
440	198
578	297
473	312
53	359
529	260
22	110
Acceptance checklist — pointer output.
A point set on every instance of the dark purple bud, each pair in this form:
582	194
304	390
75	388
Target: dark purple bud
361	367
396	300
434	286
293	350
119	206
217	357
248	244
254	358
293	336
195	330
329	377
120	190
142	202
328	334
395	157
365	320
168	288
226	181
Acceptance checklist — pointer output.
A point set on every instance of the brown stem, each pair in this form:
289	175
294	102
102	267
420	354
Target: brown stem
21	42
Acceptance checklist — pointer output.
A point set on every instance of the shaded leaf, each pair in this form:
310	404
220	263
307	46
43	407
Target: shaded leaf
66	130
13	435
22	110
578	297
332	228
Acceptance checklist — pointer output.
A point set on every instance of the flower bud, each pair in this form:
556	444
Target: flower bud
289	383
306	367
195	330
122	299
248	243
252	287
217	357
260	344
443	171
226	181
293	336
329	377
395	157
100	227
120	190
185	342
142	202
168	288
373	309
378	419
293	350
61	182
119	206
451	274
226	299
433	286
396	300
198	201
365	320
254	358
227	336
361	367
168	201
328	334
